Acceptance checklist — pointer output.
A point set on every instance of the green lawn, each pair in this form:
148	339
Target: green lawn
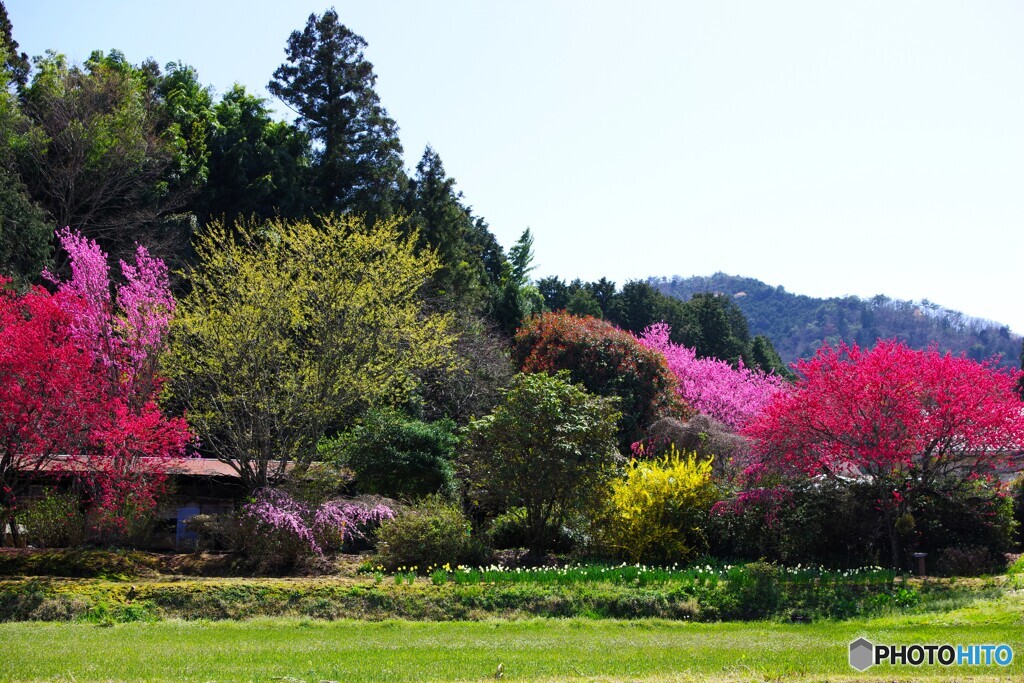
538	649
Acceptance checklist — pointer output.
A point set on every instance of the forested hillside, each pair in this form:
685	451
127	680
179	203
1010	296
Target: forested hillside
799	324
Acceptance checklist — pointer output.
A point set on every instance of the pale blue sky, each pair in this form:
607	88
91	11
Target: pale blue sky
830	147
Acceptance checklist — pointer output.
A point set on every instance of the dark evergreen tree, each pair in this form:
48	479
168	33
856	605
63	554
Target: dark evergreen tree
485	246
14	62
445	224
1020	382
635	307
327	81
189	118
517	298
582	303
764	356
640	305
555	292
25	235
715	331
603	291
258	167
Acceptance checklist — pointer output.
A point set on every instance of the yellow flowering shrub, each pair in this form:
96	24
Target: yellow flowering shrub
656	512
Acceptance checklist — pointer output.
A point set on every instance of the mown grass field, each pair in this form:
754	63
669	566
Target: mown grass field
288	649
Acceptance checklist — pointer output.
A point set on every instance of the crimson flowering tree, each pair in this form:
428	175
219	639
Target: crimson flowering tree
731	395
909	421
131	443
49	394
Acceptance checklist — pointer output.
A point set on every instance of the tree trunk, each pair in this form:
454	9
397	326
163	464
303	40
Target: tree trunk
15	534
894	539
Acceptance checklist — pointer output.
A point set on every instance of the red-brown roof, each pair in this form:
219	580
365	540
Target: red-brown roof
200	467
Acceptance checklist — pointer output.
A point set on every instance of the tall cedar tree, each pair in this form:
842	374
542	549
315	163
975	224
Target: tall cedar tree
17	64
470	257
329	84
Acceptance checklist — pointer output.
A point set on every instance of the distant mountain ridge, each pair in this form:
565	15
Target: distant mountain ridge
797	324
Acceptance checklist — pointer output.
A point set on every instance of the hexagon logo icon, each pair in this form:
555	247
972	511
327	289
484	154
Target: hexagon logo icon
862	654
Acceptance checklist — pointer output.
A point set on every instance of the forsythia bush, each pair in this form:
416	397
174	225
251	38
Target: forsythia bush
657	511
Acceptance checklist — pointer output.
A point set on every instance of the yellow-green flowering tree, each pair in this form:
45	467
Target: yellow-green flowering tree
657	510
291	328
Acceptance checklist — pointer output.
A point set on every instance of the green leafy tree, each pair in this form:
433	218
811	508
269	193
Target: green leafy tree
555	293
25	235
294	328
719	329
549	447
639	305
603	292
574	298
258	167
1020	382
582	303
764	356
189	122
94	154
328	82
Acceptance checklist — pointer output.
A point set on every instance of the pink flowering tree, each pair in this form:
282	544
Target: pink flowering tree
124	328
281	531
734	396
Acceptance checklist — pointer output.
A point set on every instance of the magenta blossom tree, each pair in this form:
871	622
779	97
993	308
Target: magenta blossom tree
124	329
731	395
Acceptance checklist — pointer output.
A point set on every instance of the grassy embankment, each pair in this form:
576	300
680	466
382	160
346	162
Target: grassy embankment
537	649
130	622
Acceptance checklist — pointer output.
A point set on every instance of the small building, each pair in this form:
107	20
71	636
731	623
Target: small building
195	486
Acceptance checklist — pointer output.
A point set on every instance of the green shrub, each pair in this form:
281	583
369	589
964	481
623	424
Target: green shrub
509	531
757	589
393	455
1016	492
971	560
657	513
838	524
433	533
960	516
54	521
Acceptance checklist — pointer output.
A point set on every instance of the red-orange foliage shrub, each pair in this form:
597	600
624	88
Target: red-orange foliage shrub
606	361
